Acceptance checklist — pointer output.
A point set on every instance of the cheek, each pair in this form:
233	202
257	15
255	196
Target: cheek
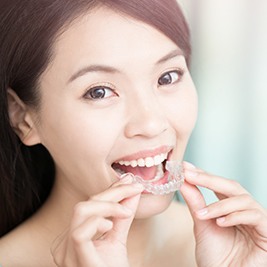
182	111
79	132
80	144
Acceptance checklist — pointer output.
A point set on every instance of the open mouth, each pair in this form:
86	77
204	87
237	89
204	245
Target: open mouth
158	175
150	169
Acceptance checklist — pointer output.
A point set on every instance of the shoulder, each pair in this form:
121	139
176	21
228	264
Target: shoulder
6	252
12	247
10	250
21	248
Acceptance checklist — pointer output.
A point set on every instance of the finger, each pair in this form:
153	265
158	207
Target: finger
86	209
58	241
227	206
58	253
120	190
76	244
85	232
192	196
224	187
190	166
62	255
220	196
121	227
82	237
195	201
251	217
126	178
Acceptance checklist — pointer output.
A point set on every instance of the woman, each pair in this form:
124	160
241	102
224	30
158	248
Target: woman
91	90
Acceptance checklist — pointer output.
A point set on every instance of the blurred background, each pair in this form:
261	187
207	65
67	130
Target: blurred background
229	68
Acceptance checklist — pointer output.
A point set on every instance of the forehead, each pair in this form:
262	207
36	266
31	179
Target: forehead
106	37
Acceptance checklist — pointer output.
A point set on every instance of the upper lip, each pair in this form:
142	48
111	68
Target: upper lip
146	153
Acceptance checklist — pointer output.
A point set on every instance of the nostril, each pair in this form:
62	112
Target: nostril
146	117
148	126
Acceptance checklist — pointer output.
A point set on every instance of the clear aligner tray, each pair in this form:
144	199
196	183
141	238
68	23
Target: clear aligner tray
175	180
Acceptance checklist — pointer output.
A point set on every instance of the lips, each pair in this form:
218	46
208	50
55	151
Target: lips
150	168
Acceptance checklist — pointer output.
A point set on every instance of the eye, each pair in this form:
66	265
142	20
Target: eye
170	77
99	92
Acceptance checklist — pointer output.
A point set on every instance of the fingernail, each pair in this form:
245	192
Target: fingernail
190	174
189	165
139	186
126	178
202	212
221	220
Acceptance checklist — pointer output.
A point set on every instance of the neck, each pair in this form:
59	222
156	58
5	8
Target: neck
142	240
55	216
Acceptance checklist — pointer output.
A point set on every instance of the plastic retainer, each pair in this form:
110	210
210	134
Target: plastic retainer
175	180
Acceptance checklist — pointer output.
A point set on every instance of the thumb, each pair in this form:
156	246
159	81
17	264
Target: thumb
196	202
121	227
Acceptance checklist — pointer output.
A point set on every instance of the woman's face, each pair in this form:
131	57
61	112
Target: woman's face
116	90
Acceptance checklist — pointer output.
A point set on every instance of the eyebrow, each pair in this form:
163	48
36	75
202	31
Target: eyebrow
171	55
112	70
92	68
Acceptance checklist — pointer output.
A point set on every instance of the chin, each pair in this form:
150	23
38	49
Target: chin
151	205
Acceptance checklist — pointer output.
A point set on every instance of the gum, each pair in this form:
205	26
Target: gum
175	180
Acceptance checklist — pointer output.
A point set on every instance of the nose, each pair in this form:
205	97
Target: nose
146	118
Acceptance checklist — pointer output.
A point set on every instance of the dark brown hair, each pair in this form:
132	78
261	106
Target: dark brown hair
28	30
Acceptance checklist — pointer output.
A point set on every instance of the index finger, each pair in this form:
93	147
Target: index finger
218	184
120	190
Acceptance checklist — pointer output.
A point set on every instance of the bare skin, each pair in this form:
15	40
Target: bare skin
242	226
165	238
93	219
83	222
152	241
230	232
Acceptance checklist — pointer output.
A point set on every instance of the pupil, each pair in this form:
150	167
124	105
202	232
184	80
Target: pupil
97	93
166	79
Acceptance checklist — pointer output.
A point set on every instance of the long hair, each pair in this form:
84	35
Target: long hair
28	30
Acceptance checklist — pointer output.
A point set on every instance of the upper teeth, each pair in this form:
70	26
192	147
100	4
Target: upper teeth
145	162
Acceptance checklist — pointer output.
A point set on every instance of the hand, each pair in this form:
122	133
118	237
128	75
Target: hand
231	232
99	228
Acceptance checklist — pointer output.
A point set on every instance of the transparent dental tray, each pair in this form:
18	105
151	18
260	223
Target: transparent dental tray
174	181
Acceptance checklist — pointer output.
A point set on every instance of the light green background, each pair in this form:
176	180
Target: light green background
229	68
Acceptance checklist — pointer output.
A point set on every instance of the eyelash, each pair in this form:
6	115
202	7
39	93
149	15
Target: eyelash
104	87
178	72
